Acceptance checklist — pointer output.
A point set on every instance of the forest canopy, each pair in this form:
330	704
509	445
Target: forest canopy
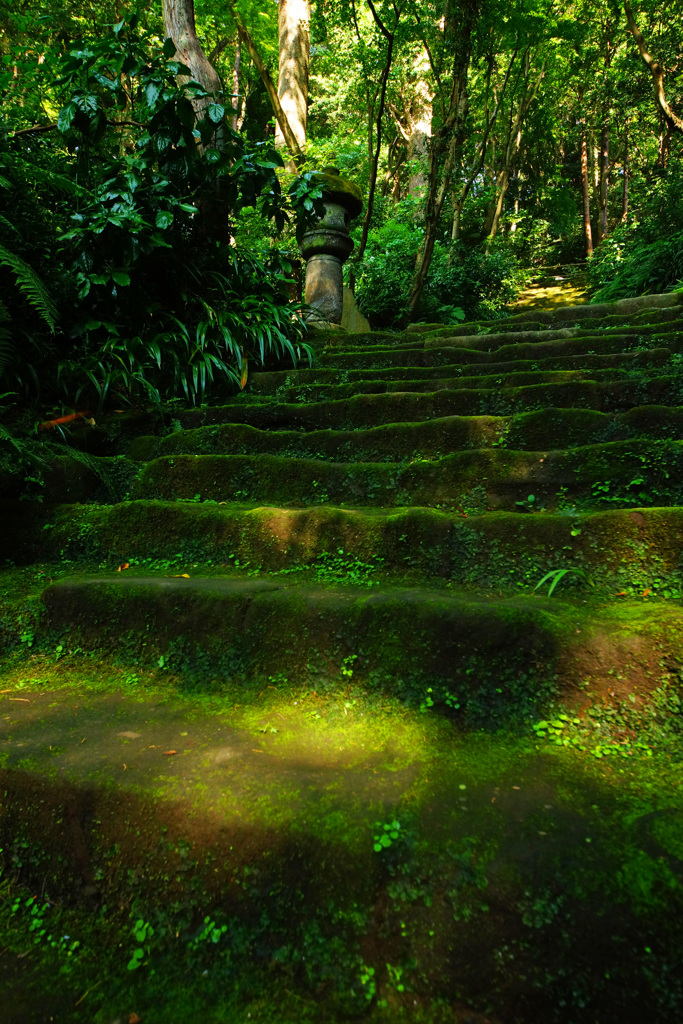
154	163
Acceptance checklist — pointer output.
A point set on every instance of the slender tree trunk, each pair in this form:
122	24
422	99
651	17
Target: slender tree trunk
436	196
458	200
179	25
664	146
448	140
294	17
503	185
604	182
512	146
626	170
238	116
264	73
513	226
374	155
585	190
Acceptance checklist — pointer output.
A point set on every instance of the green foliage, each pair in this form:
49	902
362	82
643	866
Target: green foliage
644	255
165	303
555	576
388	834
463	282
30	286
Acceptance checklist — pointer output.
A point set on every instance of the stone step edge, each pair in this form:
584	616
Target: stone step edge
499	658
630	547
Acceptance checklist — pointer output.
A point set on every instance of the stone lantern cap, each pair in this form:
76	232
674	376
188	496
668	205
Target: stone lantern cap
339	190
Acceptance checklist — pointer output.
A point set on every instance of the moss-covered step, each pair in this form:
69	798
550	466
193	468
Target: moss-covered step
629	309
624	472
309	382
389	442
374	409
496	657
646	307
569	339
492	342
626	551
546	349
393	442
257	837
517	378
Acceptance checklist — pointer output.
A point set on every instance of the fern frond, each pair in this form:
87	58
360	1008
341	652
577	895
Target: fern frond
6	350
8	224
6	347
31	286
30	172
8	438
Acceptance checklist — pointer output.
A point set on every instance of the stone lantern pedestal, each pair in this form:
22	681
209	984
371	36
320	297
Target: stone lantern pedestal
327	245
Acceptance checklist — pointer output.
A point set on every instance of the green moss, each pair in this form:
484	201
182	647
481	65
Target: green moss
341	190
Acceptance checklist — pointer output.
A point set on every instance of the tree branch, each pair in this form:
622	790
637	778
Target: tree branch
218	49
674	122
37	129
280	116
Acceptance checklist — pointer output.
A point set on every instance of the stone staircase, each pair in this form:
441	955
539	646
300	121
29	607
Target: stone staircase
384	518
447	473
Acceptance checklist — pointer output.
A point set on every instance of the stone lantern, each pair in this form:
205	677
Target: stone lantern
327	245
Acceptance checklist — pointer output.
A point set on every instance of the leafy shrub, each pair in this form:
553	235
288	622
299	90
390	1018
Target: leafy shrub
463	282
384	277
624	266
158	301
644	255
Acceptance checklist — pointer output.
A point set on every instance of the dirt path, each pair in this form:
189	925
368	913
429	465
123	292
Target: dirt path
553	287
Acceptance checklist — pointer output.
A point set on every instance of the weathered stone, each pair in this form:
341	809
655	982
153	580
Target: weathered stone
327	245
352	319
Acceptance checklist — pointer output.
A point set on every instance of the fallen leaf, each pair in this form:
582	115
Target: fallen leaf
134	1019
25	700
646	592
622	593
170	753
124	565
180	576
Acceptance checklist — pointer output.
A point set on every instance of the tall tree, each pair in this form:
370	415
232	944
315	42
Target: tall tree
450	68
294	18
179	25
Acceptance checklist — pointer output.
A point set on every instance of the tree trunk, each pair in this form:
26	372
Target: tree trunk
294	17
604	182
238	116
626	169
447	142
420	130
280	116
179	26
437	194
664	146
458	199
512	145
585	190
503	185
374	156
